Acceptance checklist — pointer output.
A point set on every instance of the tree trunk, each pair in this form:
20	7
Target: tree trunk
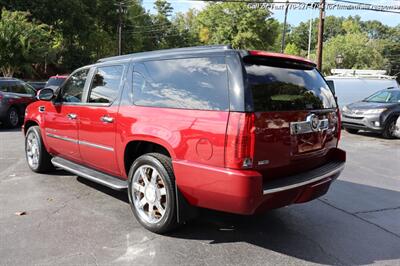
8	71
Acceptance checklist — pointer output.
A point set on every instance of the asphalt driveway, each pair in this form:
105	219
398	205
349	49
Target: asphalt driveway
71	221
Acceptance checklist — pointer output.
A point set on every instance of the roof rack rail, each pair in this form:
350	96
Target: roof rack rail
166	51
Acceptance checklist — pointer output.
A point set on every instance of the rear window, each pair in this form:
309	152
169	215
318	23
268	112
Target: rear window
287	88
55	82
190	83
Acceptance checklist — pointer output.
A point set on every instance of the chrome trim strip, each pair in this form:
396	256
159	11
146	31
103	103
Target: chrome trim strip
92	178
305	127
318	178
62	138
81	142
95	145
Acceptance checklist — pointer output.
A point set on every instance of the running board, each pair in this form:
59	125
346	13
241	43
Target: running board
91	174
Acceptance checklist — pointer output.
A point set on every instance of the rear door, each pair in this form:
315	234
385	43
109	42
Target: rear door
98	119
295	115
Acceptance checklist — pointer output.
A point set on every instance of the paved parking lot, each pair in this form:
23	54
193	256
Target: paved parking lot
71	221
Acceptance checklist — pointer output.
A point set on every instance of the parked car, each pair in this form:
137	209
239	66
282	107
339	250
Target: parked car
55	82
15	95
377	113
354	85
211	127
37	85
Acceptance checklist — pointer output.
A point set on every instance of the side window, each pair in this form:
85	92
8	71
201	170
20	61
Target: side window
4	86
191	83
105	84
73	89
29	90
17	87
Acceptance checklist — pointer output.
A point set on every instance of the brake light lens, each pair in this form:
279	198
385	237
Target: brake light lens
240	140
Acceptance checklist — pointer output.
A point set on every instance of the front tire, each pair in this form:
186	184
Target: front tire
151	191
39	160
390	128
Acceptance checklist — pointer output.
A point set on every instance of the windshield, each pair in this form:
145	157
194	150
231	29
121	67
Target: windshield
55	82
384	97
288	89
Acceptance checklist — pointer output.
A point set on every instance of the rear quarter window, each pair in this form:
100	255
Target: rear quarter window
190	83
277	88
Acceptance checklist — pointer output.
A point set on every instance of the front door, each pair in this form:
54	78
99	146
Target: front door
62	117
98	120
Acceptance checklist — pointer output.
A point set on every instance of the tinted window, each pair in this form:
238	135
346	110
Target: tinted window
3	86
73	89
195	83
105	84
55	82
285	89
19	87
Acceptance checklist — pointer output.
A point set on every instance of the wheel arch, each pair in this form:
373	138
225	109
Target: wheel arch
137	147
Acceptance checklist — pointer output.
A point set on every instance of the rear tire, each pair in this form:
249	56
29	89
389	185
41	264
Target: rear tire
39	160
351	130
390	128
151	190
12	120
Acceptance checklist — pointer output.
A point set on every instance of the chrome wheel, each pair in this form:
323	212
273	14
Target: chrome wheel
13	118
149	194
32	150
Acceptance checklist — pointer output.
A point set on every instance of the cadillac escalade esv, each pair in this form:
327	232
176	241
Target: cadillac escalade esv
212	127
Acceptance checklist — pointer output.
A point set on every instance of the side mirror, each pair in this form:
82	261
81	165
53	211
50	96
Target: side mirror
45	95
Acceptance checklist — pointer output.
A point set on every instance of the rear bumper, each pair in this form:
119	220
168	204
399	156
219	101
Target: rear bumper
245	192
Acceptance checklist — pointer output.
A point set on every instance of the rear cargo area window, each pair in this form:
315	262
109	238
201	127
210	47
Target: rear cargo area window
190	83
276	88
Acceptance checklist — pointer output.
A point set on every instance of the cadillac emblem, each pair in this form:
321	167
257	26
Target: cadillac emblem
314	122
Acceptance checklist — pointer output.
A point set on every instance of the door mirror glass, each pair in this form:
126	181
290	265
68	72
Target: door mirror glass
45	95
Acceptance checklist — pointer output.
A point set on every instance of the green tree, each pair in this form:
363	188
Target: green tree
188	27
292	49
22	42
237	24
357	50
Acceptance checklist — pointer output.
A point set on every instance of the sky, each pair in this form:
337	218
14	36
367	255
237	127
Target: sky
297	16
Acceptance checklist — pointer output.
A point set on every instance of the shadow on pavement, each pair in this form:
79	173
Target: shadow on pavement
314	232
5	129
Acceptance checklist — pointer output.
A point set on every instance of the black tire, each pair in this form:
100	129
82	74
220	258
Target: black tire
44	158
351	130
390	126
12	119
163	165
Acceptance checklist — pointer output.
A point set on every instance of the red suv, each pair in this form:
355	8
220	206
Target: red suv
211	127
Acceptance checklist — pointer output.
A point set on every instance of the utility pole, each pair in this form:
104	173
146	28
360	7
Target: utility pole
320	33
120	11
309	38
284	27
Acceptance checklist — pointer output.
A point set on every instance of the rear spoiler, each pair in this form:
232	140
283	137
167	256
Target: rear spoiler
255	54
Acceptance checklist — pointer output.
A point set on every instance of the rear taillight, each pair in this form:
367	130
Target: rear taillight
339	124
1	96
239	147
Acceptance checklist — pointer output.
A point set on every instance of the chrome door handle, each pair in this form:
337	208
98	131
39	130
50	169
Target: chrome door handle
72	116
107	119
